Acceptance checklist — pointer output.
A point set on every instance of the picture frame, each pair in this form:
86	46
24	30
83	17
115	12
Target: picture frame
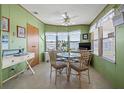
85	36
5	24
20	32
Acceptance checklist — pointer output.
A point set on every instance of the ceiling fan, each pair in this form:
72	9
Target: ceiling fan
67	20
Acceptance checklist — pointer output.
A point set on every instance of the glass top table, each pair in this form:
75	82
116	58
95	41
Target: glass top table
68	55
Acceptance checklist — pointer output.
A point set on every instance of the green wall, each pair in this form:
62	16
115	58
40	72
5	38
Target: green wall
119	56
54	28
19	16
113	72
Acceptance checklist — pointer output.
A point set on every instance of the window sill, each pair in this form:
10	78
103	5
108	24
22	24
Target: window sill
107	59
95	54
111	61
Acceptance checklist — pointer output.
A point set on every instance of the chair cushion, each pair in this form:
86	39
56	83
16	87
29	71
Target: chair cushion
76	66
59	65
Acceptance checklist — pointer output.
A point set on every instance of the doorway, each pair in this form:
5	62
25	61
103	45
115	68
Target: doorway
33	43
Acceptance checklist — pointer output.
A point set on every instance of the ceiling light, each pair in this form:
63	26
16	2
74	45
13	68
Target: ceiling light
63	15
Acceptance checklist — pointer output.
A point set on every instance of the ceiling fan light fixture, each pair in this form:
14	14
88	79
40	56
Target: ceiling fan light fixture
63	15
67	19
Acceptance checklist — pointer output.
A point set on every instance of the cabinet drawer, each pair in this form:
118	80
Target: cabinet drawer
12	70
5	74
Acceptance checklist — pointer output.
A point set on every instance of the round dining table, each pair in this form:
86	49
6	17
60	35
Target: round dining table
68	56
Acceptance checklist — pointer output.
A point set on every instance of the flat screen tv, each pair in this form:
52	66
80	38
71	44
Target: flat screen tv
85	46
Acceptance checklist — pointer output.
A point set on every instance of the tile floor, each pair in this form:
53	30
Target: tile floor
41	80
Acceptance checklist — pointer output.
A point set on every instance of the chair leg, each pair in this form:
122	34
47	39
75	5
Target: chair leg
51	72
55	76
79	73
89	76
68	73
60	71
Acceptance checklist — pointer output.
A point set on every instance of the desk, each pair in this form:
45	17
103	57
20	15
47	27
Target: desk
13	60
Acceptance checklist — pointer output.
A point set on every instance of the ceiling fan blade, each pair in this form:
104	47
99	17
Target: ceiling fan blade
65	15
74	17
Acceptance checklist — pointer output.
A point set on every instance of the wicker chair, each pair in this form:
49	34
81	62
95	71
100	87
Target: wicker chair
58	66
82	65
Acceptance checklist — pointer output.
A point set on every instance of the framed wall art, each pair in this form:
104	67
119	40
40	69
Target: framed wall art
85	36
20	32
5	24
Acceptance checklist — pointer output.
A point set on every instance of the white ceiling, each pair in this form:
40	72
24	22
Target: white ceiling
52	13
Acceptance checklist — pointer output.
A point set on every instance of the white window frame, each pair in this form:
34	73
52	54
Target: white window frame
110	14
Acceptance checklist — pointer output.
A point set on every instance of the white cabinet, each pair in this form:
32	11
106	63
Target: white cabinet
12	60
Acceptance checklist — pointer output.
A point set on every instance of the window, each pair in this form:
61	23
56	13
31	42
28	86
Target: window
103	37
62	42
50	41
95	39
74	40
96	42
109	37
